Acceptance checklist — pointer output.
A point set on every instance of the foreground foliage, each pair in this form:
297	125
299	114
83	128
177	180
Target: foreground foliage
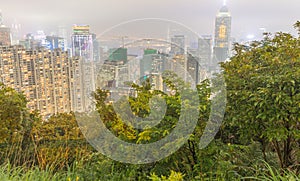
263	89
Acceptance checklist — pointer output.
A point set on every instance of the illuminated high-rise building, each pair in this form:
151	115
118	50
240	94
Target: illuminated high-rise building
5	36
54	42
221	49
45	77
184	60
82	42
35	40
82	46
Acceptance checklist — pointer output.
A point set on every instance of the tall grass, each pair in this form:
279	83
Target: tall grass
273	174
11	173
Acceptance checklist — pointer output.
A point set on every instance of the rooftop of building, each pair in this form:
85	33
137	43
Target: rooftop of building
224	9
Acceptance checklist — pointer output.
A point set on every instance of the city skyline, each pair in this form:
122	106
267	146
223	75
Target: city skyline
249	17
185	50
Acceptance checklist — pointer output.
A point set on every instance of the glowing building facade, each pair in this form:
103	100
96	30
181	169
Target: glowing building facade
221	49
82	47
45	77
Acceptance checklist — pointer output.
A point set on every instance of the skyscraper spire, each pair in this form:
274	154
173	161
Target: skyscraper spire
224	3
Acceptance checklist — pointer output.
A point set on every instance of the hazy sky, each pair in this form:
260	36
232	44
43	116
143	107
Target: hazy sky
247	15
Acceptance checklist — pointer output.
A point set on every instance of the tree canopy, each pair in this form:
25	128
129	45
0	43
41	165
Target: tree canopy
263	89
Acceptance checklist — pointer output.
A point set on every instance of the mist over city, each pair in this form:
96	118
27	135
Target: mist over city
249	16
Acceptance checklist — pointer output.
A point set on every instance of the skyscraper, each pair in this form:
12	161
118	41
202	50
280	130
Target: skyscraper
62	33
118	55
44	76
178	45
5	36
15	33
152	62
96	50
54	42
29	42
82	46
114	71
221	49
205	50
184	61
193	67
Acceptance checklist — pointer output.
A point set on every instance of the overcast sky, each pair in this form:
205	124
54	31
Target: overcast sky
247	15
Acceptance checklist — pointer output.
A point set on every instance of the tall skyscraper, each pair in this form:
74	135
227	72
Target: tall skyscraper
54	42
16	33
205	50
62	33
152	65
117	55
45	77
183	59
114	71
5	36
29	42
221	49
193	67
152	62
82	42
82	46
178	45
96	46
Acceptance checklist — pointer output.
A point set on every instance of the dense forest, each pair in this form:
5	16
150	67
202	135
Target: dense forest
259	138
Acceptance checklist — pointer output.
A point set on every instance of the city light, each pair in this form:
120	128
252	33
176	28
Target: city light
250	36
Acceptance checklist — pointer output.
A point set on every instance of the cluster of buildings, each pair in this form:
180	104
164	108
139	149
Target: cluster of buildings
193	64
53	79
58	78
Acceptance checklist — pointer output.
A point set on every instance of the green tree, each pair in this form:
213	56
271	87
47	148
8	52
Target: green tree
62	126
12	112
185	158
16	125
263	88
59	141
